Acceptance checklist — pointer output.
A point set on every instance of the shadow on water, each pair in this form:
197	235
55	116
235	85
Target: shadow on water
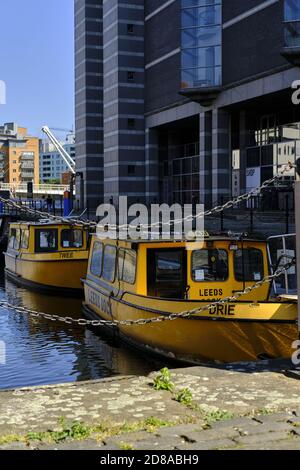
40	351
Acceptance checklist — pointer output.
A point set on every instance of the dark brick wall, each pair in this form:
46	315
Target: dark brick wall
233	8
163	32
163	84
163	36
252	46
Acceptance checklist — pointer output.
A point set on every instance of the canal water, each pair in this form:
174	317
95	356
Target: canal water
39	352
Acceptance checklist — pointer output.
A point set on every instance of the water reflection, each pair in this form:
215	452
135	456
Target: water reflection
43	352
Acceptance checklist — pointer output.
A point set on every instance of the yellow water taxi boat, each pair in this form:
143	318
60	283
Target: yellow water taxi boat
129	280
51	256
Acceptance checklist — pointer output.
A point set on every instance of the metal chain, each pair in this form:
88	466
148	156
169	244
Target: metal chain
46	215
143	321
93	224
216	209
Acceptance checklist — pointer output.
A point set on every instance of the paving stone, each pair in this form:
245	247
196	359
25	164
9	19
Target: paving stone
269	427
14	446
263	438
287	444
88	444
209	445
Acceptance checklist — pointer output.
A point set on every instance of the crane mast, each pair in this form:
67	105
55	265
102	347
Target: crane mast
64	154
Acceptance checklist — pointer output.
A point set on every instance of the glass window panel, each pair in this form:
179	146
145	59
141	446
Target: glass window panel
72	238
96	262
267	173
207	77
209	265
291	10
109	263
267	155
46	240
253	157
201	37
201	57
187	166
189	18
25	239
208	16
12	237
127	266
248	265
199	3
209	36
187	182
168	265
177	167
188	78
195	181
292	34
177	183
201	17
195	164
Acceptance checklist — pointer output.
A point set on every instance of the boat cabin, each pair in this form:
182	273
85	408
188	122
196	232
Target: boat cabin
213	269
46	237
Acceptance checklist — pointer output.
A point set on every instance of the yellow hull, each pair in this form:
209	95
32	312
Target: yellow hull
54	273
242	331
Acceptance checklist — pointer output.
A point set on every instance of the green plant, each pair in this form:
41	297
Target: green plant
163	380
219	415
184	396
124	446
76	431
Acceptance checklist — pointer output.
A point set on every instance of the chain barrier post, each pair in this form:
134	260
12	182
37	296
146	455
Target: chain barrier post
5	195
67	203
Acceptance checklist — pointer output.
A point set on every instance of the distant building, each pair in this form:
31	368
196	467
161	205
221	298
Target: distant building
52	165
19	155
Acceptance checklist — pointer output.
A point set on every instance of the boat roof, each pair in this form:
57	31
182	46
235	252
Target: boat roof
43	223
234	238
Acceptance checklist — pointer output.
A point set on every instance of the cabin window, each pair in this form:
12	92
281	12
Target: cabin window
166	273
25	239
210	265
127	266
12	238
168	265
109	263
248	265
72	238
46	240
96	263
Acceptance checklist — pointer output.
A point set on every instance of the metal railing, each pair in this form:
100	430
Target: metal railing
37	188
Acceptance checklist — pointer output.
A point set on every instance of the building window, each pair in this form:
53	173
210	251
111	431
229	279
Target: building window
130	29
201	43
131	169
292	23
130	76
131	123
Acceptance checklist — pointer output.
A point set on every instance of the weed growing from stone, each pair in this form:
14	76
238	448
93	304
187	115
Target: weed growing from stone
184	396
163	380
